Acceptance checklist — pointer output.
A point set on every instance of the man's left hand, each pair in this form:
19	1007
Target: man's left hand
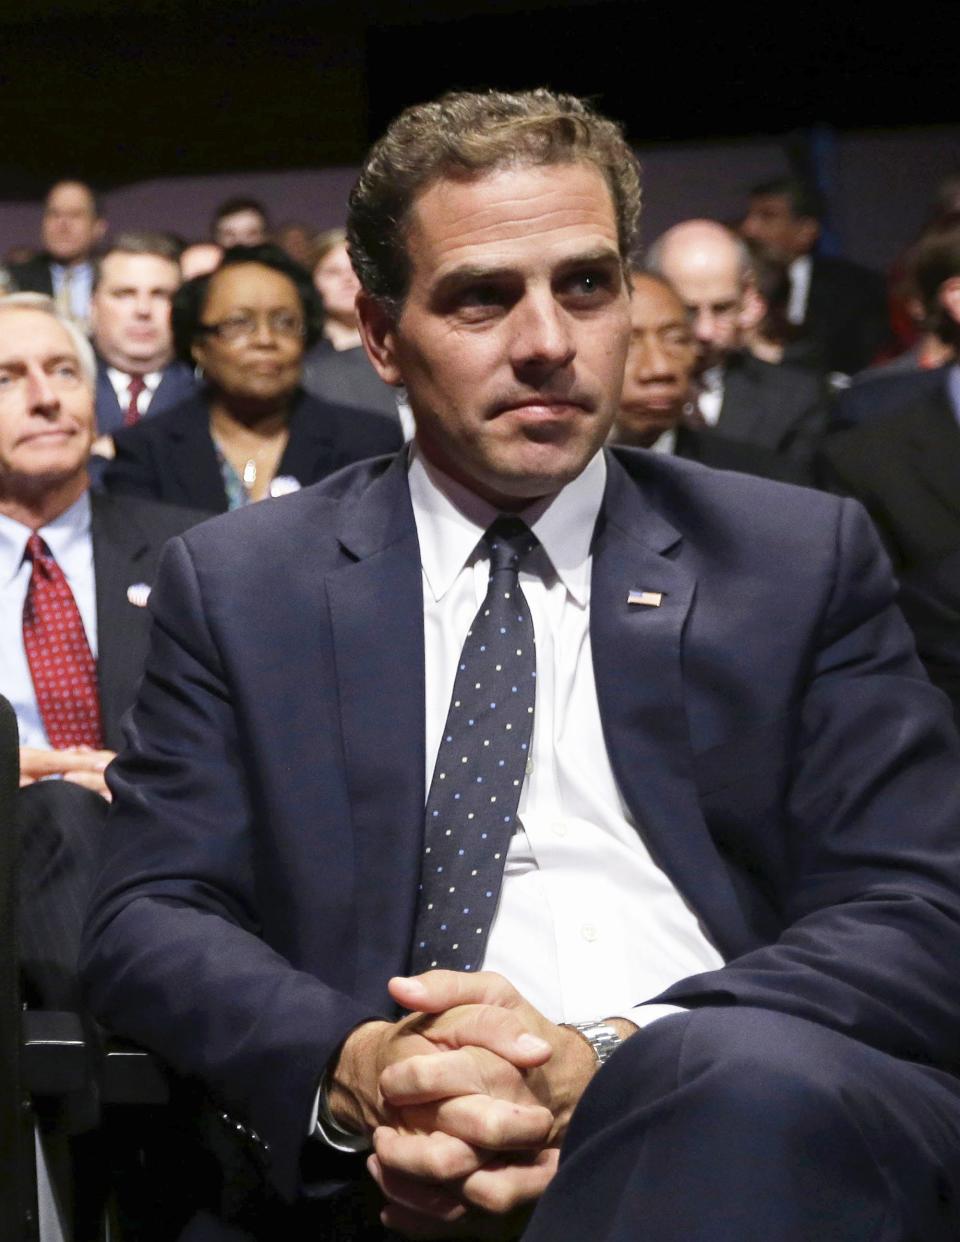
438	1186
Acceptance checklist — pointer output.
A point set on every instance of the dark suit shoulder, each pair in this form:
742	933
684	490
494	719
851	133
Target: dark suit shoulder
160	521
33	276
362	433
742	510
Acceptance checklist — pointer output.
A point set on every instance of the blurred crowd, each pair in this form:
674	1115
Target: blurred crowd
230	367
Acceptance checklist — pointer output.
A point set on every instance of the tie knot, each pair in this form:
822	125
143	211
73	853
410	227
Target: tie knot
38	552
509	539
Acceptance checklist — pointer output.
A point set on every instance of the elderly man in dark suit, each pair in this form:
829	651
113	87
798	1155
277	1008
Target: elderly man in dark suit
779	408
76	571
628	762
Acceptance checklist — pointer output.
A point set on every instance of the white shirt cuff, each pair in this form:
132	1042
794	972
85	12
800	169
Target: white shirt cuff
324	1127
646	1015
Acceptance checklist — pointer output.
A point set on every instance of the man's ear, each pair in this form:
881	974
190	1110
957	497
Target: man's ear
378	333
806	232
753	307
949	297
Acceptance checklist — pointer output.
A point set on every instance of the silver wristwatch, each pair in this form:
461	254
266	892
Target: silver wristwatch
601	1037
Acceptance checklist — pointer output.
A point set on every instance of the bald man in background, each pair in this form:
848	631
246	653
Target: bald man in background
782	409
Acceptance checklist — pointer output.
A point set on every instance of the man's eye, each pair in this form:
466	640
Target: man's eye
480	295
66	371
589	284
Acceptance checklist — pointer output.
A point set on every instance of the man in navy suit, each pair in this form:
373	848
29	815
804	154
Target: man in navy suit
136	372
716	997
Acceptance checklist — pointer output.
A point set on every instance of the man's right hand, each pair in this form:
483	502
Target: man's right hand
82	765
485	1100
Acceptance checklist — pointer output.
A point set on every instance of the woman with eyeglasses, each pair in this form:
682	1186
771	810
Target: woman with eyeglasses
252	432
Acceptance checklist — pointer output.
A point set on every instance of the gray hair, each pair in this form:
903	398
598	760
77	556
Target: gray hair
46	306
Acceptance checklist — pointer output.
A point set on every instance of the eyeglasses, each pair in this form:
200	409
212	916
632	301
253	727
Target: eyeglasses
237	327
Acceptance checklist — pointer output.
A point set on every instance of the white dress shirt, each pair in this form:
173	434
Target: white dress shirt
587	926
800	271
68	538
710	397
121	386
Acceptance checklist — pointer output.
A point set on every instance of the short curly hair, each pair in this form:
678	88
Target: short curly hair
464	135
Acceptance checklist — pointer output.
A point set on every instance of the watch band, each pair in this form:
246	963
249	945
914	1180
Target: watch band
601	1037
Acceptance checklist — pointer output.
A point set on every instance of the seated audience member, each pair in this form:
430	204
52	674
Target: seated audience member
240	222
930	600
71	228
299	242
840	306
75	573
200	259
137	374
251	431
337	368
660	392
905	464
782	409
690	758
934	260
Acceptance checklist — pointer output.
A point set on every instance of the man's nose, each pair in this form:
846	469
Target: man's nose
41	395
141	306
705	325
650	360
263	332
542	334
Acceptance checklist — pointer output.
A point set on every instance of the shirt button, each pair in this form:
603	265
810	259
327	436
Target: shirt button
589	932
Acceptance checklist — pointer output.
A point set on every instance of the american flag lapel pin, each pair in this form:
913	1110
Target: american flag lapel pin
645	599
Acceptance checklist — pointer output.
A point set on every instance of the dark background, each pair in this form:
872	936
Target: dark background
117	92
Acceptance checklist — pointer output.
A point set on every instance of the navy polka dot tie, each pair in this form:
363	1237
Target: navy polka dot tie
471	811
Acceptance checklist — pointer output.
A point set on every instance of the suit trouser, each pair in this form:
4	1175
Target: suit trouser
742	1125
60	826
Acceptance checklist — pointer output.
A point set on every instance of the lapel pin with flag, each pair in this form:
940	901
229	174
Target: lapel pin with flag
645	599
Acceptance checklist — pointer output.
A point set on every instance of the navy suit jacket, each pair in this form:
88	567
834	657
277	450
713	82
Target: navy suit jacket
769	726
176	385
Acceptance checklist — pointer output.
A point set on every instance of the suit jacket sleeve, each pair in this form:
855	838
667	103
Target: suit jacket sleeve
867	890
172	956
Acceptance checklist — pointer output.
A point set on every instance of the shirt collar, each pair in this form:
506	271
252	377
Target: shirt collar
121	380
61	536
451	521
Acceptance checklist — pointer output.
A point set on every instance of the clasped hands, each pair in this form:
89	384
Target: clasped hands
82	765
467	1100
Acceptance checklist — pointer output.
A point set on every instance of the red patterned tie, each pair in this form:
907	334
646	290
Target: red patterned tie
62	667
131	414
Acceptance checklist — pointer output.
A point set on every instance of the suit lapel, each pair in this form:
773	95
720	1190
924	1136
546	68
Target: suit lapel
376	611
119	545
109	414
638	666
309	448
934	442
192	458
